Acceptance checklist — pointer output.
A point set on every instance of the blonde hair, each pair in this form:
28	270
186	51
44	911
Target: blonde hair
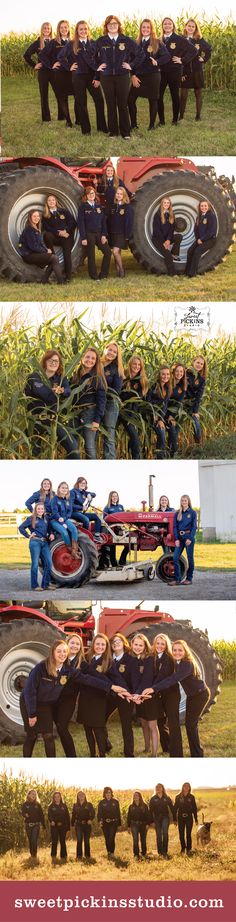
162	29
76	40
188	656
124	193
42	40
159	389
59	24
46	210
118	359
204	371
153	36
147	651
30	792
106	656
115	176
142	374
109	502
43	493
80	656
50	661
97	372
34	513
162	212
180	510
197	33
63	483
168	648
183	381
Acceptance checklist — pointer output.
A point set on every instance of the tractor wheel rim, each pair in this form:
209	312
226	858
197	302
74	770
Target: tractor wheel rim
15	667
34	199
63	562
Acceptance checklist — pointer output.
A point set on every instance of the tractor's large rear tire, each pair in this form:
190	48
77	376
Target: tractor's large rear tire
165	568
23	644
69	571
208	660
186	189
20	192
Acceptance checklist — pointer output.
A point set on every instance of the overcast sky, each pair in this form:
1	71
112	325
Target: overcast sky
160	315
19	479
28	17
138	774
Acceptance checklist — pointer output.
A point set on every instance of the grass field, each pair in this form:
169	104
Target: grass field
14	552
217	733
219	285
24	134
215	862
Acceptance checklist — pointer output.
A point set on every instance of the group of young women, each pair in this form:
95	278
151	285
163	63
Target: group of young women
119	70
114	674
103	394
159	812
105	222
58	513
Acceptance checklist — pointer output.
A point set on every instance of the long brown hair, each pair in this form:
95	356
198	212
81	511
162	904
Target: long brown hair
118	360
106	24
200	214
204	372
97	371
76	40
34	514
159	389
183	381
67	496
107	788
170	212
41	33
160	785
42	492
115	176
124	640
188	656
106	656
197	33
180	510
58	34
142	803
142	374
30	222
153	36
162	29
109	502
48	355
147	645
53	798
78	481
50	660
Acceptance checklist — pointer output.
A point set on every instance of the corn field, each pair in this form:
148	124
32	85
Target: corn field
22	348
227	653
220	71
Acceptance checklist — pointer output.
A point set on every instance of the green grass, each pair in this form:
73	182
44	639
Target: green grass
217	734
24	135
218	285
224	447
15	553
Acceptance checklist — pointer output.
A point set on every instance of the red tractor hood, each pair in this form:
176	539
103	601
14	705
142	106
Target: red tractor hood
143	518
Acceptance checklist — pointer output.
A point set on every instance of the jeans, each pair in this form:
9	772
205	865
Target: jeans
64	437
109	421
83	832
185	823
162	826
197	428
58	834
177	554
88	517
66	533
161	440
89	435
109	832
173	435
134	443
33	834
39	549
139	830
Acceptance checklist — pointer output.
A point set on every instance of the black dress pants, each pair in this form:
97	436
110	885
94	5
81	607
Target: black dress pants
82	83
109	831
194	709
83	832
58	834
66	243
172	80
96	735
168	254
194	255
125	710
94	240
46	261
116	92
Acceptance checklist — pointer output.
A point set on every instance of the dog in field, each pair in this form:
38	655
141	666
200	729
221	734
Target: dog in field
204	833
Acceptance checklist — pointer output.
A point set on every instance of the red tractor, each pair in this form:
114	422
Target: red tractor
137	531
25	182
27	633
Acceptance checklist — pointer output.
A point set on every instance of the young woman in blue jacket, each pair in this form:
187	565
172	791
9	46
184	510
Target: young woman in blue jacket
45	403
81	499
58	226
116	56
61	514
90	393
120	224
34	251
135	389
175	402
77	61
166	703
186	673
158	396
32	56
143	672
61	82
92	226
196	382
43	495
114	373
181	53
164	235
146	77
185	526
36	528
205	231
192	76
108	184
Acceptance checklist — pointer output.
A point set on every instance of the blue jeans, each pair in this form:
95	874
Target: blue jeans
64	436
177	555
66	533
139	830
33	834
161	440
109	421
173	435
134	443
162	826
197	428
40	549
89	435
88	517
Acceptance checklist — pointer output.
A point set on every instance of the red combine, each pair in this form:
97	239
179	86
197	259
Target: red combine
27	633
24	183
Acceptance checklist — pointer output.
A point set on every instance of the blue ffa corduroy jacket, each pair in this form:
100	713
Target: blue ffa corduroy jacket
184	674
163	230
34	49
113	379
40	687
40	528
31	241
121	219
195	389
60	219
206	227
115	53
91	395
42	394
91	220
187	526
109	510
84	58
162	56
179	47
158	401
51	51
